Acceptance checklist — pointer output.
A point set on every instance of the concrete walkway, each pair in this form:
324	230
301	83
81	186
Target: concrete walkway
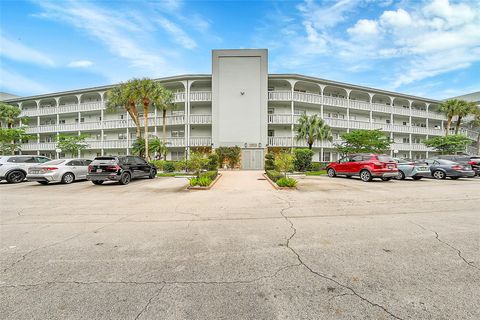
243	180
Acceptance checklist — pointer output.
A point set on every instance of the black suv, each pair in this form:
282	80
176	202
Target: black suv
121	169
473	161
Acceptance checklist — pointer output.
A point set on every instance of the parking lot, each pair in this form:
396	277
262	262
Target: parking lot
332	249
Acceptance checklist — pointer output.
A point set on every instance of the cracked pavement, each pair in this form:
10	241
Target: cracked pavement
333	249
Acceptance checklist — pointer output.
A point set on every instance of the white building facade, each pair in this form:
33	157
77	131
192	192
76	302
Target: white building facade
238	104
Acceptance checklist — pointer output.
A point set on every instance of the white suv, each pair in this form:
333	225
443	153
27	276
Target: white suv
15	168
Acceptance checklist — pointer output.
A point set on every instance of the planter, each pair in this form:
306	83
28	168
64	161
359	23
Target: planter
275	186
219	175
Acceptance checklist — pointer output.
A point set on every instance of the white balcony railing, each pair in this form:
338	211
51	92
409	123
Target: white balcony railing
200	141
360	105
279	118
279	95
201	96
201	119
32	146
307	97
335	101
179	97
292	142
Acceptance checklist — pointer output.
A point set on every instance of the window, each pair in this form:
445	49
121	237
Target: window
86	162
406	140
122	116
271	110
404	123
61	121
326	157
140	161
122	136
271	133
357	159
177	155
178	134
21	160
387	120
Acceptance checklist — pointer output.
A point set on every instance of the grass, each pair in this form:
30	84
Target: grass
173	174
316	173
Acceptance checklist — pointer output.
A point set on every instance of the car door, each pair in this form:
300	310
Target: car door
355	164
76	167
142	167
342	164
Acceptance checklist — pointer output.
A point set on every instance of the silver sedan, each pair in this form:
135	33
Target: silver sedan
61	170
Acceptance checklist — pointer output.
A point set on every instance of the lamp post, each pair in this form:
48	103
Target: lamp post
58	150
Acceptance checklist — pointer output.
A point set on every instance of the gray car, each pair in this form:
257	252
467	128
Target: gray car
441	169
15	168
414	170
61	170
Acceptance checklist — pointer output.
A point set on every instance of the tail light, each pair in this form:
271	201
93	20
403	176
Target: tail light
50	168
378	165
116	167
90	168
456	168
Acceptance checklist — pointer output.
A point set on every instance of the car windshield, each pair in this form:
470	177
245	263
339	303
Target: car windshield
54	162
385	159
104	160
399	160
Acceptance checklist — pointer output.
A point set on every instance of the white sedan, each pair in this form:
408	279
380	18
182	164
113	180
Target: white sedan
61	170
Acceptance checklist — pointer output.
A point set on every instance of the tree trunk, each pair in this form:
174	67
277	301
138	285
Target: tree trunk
449	124
164	132
459	121
310	145
145	118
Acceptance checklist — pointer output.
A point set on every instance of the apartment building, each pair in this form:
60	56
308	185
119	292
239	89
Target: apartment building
238	104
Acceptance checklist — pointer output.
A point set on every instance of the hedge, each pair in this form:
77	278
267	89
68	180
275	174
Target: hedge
274	175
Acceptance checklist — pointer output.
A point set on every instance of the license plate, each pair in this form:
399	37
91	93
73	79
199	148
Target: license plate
34	171
390	167
99	170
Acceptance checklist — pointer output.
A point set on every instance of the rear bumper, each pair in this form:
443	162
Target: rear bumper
384	174
103	177
43	177
462	174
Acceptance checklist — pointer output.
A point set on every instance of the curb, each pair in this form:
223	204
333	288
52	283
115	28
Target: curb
219	175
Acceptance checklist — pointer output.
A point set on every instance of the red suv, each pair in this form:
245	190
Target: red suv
367	166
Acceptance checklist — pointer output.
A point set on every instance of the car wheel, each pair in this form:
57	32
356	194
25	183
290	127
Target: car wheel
365	175
417	178
15	176
331	173
400	175
43	182
68	178
439	174
386	179
97	181
125	179
153	174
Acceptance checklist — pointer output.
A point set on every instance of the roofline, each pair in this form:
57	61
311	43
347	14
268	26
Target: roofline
353	86
106	87
208	76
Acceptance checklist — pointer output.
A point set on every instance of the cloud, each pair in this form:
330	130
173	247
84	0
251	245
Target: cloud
323	16
364	28
16	83
118	33
17	51
179	35
80	64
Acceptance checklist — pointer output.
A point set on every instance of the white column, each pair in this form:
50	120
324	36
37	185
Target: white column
348	109
391	118
128	134
322	87
38	124
371	109
410	124
187	84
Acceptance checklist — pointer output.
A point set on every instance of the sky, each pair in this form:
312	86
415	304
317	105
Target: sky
423	48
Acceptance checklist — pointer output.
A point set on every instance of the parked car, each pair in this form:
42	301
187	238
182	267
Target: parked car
367	166
61	170
414	170
441	169
14	168
121	169
473	161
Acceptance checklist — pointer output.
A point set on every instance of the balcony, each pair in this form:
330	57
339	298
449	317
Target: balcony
410	146
34	146
199	96
292	142
201	119
280	118
179	97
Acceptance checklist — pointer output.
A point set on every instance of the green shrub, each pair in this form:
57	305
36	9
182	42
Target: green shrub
213	162
169	166
286	182
269	161
204	181
303	159
316	166
158	163
209	174
193	181
180	165
284	162
274	175
229	155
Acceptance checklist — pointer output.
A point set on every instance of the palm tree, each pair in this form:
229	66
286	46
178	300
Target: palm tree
9	114
464	109
164	101
311	129
122	97
450	109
